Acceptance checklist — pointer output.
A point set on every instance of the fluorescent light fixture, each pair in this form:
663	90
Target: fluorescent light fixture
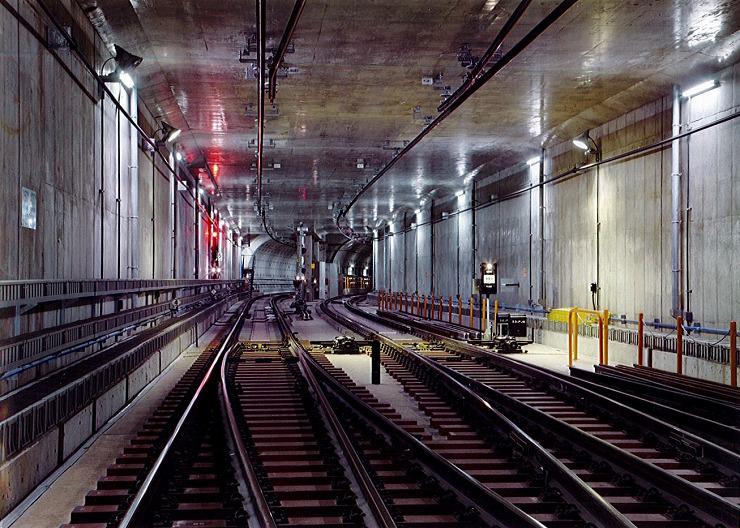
459	193
701	88
580	143
178	156
126	79
533	161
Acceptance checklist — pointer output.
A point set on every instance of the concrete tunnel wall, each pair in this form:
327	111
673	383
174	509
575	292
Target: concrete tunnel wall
59	140
632	258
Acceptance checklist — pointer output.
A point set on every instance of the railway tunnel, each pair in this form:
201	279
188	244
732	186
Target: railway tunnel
369	264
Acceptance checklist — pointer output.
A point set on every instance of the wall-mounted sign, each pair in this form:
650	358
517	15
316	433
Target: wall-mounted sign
28	208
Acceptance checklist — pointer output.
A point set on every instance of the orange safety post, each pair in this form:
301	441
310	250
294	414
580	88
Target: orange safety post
470	309
424	313
483	322
640	338
733	353
431	307
449	309
459	311
381	300
418	304
441	302
606	337
679	344
406	302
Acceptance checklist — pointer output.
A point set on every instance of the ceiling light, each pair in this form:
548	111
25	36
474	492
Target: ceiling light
459	193
701	88
201	191
178	156
533	161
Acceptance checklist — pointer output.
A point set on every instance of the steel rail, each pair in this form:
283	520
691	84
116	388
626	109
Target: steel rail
711	504
279	55
372	495
140	499
520	46
488	54
591	503
264	515
685	414
718	454
484	498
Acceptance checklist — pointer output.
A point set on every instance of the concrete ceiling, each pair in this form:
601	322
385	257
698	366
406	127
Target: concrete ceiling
358	93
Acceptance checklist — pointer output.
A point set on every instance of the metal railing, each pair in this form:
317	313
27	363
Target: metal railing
22	428
18	351
23	292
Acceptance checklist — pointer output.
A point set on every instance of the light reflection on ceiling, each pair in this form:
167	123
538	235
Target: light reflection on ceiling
359	68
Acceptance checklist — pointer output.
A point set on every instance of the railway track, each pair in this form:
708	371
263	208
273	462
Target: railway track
176	469
312	458
619	459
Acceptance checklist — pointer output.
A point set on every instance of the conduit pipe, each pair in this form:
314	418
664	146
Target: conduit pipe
279	55
260	7
676	199
133	230
575	171
261	38
486	57
520	46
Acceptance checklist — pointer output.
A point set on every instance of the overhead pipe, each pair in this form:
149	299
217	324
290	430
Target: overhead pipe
134	189
488	54
575	171
677	301
261	22
520	46
279	54
261	38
